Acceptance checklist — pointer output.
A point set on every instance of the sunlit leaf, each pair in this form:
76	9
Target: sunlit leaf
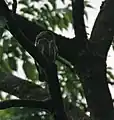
30	70
5	66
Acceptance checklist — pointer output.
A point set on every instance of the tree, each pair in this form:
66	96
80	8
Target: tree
87	58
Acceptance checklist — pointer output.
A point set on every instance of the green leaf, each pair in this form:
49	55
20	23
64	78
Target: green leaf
16	53
12	62
53	3
110	74
47	7
5	66
30	70
24	2
1	53
14	42
28	11
6	45
68	16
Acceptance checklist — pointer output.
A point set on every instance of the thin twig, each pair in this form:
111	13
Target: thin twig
14	6
27	103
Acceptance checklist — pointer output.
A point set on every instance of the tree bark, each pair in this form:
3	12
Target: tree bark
92	65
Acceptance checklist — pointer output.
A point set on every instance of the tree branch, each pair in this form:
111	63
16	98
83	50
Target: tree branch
78	22
54	88
22	89
92	69
103	30
14	6
27	103
78	19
